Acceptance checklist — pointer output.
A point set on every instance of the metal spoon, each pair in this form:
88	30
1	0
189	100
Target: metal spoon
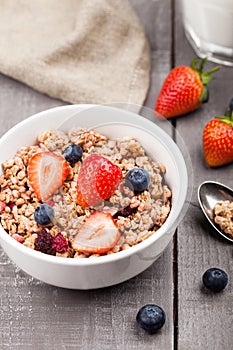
209	193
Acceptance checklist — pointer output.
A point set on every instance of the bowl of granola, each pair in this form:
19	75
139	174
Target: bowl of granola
90	196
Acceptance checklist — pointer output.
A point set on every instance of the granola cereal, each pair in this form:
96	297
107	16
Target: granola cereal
223	216
136	215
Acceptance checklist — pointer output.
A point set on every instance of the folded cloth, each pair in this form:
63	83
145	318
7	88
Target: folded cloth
80	51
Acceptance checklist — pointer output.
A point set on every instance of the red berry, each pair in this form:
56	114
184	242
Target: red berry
59	244
17	237
98	179
183	90
2	206
218	141
47	171
50	203
98	234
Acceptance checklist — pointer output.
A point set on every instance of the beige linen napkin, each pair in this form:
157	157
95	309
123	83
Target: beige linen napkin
81	51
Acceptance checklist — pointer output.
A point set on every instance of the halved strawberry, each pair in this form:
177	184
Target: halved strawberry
47	171
97	235
97	180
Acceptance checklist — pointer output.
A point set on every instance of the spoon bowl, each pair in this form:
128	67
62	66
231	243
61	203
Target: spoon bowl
209	194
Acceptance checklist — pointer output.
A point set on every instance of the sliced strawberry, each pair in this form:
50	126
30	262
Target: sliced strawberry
2	206
97	235
51	203
97	180
47	171
17	237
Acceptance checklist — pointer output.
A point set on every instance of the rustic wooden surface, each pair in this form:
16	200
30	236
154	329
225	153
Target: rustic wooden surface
205	321
37	316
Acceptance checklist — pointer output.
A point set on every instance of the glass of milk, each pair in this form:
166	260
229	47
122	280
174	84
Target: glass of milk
208	26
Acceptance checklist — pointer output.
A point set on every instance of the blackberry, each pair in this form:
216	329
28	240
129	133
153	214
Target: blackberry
125	212
43	242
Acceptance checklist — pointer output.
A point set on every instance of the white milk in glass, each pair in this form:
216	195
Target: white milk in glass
209	28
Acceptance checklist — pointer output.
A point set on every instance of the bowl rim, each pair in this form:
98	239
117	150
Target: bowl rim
136	249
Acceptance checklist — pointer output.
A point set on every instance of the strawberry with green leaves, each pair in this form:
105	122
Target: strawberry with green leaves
218	140
184	89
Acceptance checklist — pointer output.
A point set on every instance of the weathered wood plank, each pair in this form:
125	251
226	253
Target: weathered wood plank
37	316
205	320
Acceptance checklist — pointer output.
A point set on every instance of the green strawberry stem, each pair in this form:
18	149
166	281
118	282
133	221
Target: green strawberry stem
204	76
228	119
205	94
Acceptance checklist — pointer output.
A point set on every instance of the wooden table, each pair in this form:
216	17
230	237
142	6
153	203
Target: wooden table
38	316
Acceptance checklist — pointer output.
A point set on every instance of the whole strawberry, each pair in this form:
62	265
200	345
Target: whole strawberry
97	180
184	89
218	140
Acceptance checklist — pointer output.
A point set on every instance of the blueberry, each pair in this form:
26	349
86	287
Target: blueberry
139	179
229	109
215	279
151	318
231	106
44	214
73	154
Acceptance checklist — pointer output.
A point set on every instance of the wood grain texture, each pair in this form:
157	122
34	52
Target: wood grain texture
205	320
37	316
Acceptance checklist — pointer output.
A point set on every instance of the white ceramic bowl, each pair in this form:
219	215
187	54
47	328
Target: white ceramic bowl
115	268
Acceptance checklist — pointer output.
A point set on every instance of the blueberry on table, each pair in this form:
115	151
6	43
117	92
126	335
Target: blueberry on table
73	154
215	279
231	106
151	318
139	179
44	214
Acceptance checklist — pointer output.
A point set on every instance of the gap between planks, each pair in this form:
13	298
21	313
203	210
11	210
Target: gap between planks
175	238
